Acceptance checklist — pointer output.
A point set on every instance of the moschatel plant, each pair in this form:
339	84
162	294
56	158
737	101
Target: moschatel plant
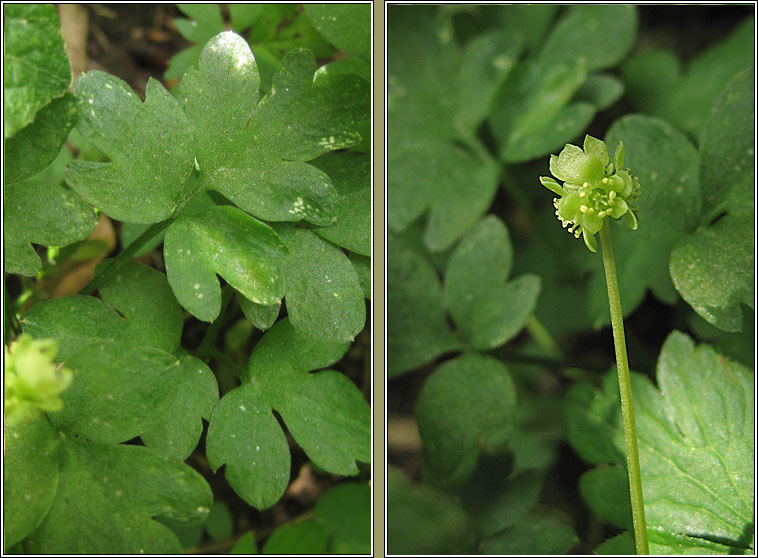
268	190
497	345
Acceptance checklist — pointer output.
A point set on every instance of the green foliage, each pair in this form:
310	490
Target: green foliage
263	195
696	447
496	320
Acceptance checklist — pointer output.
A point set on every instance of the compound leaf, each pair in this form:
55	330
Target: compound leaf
696	446
488	310
114	492
177	425
31	477
137	312
324	412
227	241
322	289
454	431
36	68
433	103
149	146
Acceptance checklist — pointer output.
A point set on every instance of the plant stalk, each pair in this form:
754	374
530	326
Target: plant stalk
110	266
625	389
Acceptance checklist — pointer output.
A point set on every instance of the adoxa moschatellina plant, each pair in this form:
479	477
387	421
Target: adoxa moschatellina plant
594	190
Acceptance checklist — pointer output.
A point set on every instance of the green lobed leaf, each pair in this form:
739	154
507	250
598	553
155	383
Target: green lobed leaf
696	447
262	167
244	434
227	241
322	289
31	477
149	146
714	269
36	68
177	425
324	412
113	396
36	146
727	148
429	111
487	309
440	525
601	90
600	36
531	113
114	492
666	164
350	174
649	76
417	328
344	25
454	432
50	226
137	312
304	537
606	490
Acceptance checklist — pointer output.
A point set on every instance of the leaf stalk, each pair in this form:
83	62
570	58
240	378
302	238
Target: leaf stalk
625	389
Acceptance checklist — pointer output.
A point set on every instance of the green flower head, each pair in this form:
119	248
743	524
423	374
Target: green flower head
33	382
594	187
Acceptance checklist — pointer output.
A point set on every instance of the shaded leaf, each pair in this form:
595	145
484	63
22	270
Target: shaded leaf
417	328
344	25
455	432
714	270
304	537
31	477
424	520
344	512
115	491
543	531
487	309
727	149
350	175
36	68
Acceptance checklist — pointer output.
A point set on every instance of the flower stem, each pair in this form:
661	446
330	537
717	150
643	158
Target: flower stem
625	389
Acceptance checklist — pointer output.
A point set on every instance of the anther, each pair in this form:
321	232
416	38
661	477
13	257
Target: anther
601	214
612	194
582	194
583	208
